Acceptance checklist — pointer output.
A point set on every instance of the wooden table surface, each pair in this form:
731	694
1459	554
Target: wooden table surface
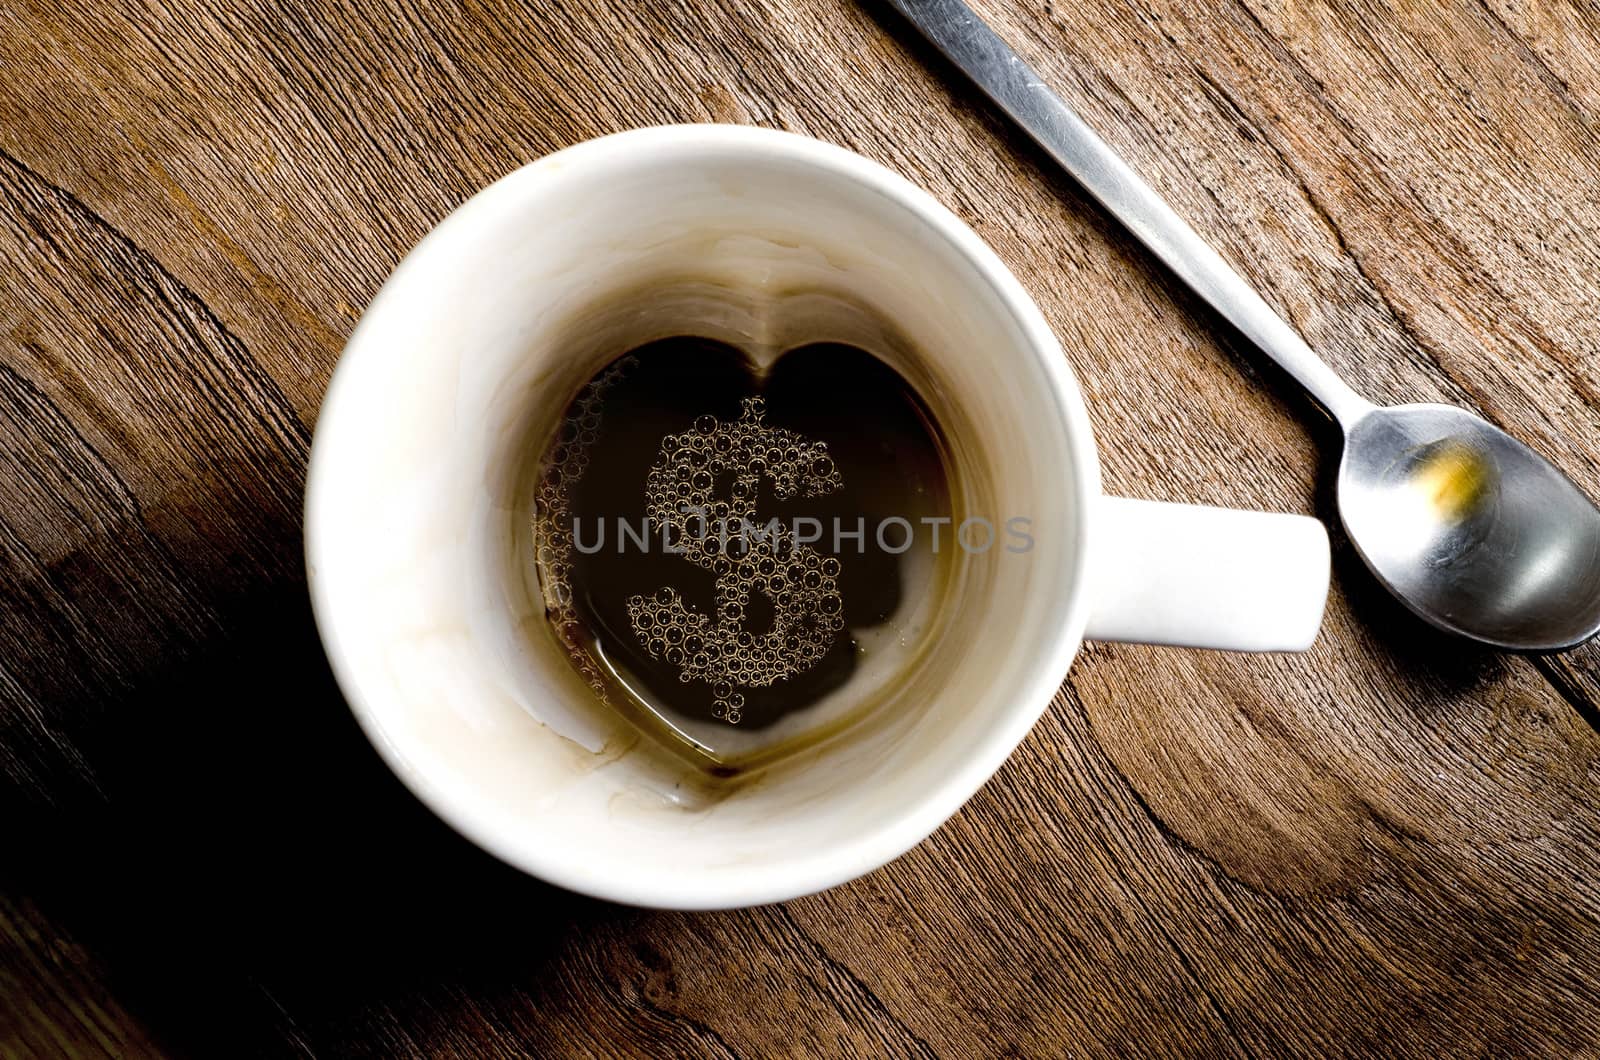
1387	845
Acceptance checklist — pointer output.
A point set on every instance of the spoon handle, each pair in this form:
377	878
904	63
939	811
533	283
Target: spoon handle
979	52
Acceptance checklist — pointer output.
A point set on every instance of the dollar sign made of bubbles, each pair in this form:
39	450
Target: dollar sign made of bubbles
746	557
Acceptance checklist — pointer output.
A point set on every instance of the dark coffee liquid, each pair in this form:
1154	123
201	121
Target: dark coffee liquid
714	541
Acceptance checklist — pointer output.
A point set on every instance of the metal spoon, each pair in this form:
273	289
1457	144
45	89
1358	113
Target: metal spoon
1471	529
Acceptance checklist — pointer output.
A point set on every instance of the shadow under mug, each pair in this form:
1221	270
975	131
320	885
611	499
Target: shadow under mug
417	511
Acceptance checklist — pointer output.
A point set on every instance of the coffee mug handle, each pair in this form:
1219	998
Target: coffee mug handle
1202	577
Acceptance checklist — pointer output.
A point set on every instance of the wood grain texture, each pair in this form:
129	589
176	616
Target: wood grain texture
1385	846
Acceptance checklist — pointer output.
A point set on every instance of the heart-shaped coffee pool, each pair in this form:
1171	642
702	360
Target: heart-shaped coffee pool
741	561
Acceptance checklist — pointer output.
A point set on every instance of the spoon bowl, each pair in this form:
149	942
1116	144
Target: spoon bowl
1472	530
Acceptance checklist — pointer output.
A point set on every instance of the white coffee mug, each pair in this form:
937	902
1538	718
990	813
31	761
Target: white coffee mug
418	505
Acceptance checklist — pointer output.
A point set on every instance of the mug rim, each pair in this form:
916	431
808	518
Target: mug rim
828	867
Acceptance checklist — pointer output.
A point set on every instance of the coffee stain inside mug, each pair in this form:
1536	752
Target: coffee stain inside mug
723	546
